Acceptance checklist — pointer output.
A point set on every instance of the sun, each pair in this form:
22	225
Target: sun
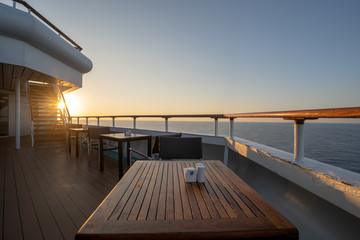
73	103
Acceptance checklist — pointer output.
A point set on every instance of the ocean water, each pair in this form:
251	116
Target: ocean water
333	143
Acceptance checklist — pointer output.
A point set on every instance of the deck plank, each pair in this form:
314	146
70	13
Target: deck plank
12	220
47	193
30	224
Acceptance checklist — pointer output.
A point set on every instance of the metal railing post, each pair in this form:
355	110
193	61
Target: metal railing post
87	121
134	124
231	128
166	124
113	121
78	120
298	139
98	121
216	127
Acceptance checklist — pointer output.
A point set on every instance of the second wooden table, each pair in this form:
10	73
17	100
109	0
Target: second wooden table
120	138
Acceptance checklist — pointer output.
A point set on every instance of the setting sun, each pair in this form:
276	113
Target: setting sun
73	103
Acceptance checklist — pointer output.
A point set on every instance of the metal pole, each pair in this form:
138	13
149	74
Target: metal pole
226	155
87	121
98	121
113	121
134	122
216	125
231	128
298	139
17	114
78	120
166	124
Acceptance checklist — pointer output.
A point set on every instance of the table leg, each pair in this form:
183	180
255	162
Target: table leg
120	157
69	140
77	143
101	149
149	146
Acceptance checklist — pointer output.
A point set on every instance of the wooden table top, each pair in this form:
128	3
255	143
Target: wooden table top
123	137
152	201
78	129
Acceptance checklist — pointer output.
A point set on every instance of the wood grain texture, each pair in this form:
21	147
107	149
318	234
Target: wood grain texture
152	201
45	193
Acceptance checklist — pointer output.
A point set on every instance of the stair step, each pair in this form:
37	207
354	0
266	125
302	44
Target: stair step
48	125
47	117
47	120
45	104
44	101
50	131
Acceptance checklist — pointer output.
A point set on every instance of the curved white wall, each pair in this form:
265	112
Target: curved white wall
27	42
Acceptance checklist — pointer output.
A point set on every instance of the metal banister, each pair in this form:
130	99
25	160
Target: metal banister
45	20
299	117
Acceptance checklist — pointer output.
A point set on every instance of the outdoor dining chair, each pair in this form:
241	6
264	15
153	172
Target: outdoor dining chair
92	141
155	147
178	148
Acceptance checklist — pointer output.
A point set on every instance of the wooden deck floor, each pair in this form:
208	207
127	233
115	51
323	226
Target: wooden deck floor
46	193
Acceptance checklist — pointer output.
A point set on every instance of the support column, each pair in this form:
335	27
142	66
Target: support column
87	121
98	121
113	121
166	124
298	139
216	127
134	125
17	113
231	128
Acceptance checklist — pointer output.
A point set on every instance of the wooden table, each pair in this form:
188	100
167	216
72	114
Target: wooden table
120	138
76	131
152	201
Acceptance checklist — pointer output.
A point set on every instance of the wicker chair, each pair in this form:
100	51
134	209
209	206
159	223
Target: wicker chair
180	148
92	140
155	147
177	148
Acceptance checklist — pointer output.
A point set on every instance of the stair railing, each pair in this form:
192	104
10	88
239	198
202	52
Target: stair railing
65	114
31	113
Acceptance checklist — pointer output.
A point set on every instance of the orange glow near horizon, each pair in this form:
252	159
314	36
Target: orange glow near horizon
73	103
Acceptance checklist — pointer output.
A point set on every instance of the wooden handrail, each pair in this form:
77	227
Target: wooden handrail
36	13
352	112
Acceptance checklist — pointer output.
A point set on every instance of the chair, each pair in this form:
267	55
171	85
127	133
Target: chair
155	147
180	148
92	140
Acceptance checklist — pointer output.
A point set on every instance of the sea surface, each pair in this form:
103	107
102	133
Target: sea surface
333	143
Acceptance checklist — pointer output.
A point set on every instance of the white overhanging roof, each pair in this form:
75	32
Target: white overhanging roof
27	42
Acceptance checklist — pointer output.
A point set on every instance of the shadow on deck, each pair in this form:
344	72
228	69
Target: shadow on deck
47	193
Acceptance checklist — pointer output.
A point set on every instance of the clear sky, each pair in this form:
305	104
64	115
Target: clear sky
188	56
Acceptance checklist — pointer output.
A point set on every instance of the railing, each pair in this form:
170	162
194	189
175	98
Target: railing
298	117
65	114
31	114
37	14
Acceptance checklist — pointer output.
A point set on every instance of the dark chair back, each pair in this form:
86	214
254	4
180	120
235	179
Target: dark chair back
156	144
180	148
94	132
